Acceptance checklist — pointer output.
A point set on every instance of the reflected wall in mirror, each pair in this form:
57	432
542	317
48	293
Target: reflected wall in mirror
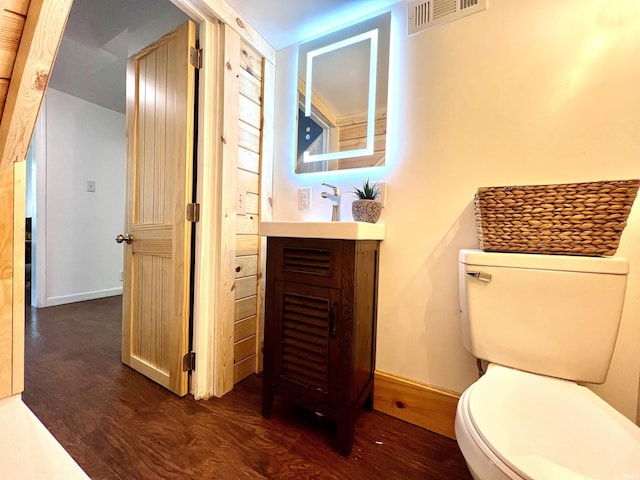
342	98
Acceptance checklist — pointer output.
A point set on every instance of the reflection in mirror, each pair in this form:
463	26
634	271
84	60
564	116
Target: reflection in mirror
342	98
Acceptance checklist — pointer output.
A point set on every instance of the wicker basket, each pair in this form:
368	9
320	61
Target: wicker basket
565	219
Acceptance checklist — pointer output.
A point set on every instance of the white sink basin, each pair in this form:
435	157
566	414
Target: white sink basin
338	230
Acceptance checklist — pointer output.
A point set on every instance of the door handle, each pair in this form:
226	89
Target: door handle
332	320
124	238
482	276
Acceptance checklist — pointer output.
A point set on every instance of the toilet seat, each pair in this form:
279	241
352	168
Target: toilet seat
556	428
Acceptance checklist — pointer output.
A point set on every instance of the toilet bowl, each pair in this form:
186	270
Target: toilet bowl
513	425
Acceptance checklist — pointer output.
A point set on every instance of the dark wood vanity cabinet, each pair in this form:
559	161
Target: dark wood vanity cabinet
320	327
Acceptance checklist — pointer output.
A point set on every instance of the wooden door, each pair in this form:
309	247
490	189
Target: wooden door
157	261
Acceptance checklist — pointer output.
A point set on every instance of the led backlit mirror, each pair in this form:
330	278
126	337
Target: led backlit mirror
342	98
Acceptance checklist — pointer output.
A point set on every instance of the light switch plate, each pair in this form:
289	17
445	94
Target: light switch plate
241	207
382	193
91	186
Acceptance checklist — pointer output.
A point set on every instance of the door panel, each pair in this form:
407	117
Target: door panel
160	99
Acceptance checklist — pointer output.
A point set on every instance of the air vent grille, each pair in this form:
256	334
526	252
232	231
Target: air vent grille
420	14
443	7
467	3
307	260
424	15
305	340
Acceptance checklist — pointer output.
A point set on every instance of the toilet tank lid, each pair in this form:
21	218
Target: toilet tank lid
567	263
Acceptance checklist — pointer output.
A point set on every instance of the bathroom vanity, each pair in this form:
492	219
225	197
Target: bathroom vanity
320	318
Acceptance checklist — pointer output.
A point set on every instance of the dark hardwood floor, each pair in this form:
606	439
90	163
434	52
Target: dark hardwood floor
118	425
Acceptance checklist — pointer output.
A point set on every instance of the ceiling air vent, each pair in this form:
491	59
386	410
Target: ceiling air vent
424	15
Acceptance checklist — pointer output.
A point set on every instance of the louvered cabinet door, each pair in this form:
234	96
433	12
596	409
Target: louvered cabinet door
308	261
306	325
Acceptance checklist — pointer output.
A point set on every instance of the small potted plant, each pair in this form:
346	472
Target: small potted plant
365	208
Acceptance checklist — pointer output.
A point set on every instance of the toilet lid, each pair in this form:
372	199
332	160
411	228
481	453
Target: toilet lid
546	428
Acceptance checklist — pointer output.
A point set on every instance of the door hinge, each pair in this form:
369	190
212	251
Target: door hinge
195	57
193	212
189	362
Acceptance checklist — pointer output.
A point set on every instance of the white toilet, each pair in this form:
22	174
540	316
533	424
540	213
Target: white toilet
543	322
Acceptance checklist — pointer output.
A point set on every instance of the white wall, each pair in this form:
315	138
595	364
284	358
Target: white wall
526	92
83	142
30	205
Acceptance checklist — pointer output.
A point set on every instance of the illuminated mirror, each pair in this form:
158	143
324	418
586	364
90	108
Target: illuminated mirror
342	98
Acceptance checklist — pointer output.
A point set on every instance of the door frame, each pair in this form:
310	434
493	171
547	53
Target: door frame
204	269
214	276
214	255
209	251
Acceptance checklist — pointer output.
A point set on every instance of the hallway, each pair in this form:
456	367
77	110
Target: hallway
119	425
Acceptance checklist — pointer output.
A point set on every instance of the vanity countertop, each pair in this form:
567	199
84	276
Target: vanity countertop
335	230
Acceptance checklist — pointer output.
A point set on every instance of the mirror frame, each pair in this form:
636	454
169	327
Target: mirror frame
373	140
372	36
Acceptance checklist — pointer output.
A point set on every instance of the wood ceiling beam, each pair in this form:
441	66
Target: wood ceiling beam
41	37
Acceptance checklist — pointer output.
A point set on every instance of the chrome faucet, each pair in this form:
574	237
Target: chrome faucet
335	201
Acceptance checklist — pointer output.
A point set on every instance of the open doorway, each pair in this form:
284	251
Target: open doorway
78	168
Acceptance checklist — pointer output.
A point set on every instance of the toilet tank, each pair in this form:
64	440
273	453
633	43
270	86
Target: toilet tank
554	315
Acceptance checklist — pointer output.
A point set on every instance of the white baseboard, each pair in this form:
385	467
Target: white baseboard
81	297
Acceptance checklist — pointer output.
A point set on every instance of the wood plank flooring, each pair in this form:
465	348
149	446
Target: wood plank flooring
118	425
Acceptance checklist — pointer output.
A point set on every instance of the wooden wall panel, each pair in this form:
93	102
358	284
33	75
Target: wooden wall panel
248	181
244	368
12	214
253	203
248	269
4	89
6	281
249	137
246	287
247	245
224	291
12	19
20	7
250	111
245	307
19	214
244	348
250	87
10	33
244	328
251	62
248	160
247	224
246	265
